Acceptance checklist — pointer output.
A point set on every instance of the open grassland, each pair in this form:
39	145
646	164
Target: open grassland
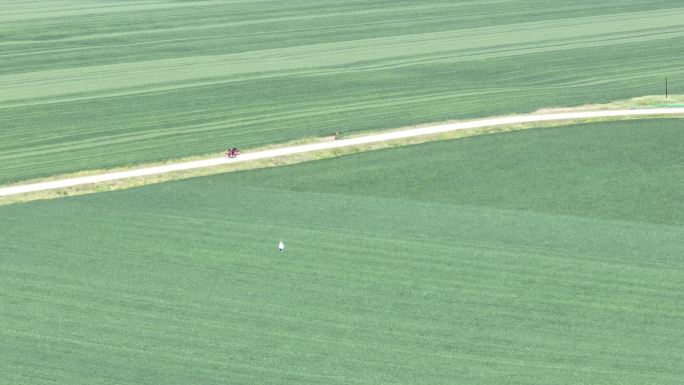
538	257
107	84
81	186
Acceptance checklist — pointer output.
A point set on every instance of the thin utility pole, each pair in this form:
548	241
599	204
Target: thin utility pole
665	88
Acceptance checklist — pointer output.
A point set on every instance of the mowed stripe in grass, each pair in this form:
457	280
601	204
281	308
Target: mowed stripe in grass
401	269
612	170
130	83
331	58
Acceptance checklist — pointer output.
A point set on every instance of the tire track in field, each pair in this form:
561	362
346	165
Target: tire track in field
403	134
366	54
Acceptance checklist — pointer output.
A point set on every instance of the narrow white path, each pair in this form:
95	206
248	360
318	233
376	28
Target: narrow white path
409	133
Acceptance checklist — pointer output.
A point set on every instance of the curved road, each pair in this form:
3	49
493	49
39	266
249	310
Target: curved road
409	133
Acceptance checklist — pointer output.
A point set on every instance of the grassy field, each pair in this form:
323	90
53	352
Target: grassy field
87	85
550	256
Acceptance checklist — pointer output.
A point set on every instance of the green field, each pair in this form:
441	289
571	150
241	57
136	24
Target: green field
550	256
93	84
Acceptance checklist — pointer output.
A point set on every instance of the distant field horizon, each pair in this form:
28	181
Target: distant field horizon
111	84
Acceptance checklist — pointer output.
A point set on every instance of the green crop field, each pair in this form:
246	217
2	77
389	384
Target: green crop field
93	84
550	256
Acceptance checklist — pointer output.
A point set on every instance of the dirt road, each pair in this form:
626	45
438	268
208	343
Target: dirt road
430	130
